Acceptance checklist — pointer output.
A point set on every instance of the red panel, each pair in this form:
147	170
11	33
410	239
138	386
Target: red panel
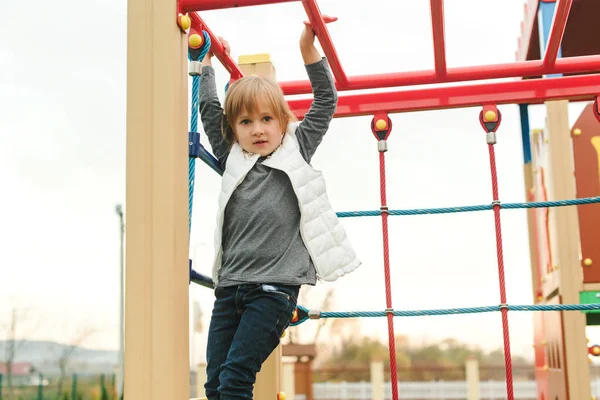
586	152
527	29
528	91
561	15
541	374
550	370
555	352
316	20
481	72
187	6
437	27
541	229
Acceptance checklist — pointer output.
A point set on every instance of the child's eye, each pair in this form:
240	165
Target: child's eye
245	121
267	119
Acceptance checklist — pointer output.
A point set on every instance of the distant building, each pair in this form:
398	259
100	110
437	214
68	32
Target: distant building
23	374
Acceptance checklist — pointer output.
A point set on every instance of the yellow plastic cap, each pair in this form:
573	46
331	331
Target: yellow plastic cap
489	116
381	124
196	41
185	22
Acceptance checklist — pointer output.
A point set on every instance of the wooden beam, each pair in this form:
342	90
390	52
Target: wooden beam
156	302
565	248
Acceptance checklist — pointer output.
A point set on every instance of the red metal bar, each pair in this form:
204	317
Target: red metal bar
576	88
216	47
437	28
561	15
460	74
187	6
316	19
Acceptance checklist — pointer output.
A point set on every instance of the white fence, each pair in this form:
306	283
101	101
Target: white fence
489	390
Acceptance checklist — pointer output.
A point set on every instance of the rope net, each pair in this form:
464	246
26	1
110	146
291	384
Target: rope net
490	119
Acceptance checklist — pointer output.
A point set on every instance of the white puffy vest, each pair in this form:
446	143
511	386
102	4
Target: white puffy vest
323	235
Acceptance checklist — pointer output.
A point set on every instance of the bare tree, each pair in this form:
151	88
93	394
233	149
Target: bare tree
66	353
12	344
294	336
325	305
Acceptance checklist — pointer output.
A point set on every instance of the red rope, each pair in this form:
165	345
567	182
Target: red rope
504	310
388	290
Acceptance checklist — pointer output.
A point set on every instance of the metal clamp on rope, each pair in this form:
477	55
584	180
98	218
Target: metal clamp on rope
194	144
381	126
314	314
389	311
384	210
490	118
504	305
195	68
496	203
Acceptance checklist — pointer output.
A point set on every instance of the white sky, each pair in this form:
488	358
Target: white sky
62	157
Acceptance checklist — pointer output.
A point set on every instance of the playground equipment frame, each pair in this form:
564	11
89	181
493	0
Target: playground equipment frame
157	303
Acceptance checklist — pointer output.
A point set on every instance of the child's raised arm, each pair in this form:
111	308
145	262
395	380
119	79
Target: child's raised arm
211	111
316	121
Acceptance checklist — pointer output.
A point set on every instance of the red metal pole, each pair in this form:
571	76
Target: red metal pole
205	5
316	19
535	91
216	47
437	27
561	15
461	74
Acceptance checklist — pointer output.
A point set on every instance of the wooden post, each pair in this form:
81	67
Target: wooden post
268	380
200	379
288	379
157	300
472	378
377	381
564	231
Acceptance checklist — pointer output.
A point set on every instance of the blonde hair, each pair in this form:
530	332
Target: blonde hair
245	95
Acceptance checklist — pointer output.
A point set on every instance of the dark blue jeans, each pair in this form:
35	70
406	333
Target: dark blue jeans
246	325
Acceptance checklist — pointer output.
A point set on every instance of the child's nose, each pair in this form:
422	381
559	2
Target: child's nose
258	129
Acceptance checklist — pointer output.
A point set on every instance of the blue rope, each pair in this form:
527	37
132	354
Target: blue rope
194	123
484	207
469	310
304	314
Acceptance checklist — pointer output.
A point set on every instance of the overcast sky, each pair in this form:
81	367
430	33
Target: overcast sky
62	157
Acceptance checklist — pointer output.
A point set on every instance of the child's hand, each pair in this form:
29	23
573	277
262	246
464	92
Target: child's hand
307	39
310	54
308	34
226	47
209	55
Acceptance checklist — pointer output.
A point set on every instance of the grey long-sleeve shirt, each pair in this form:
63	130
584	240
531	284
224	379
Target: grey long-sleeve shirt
261	230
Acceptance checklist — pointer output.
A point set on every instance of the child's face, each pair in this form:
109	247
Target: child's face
258	132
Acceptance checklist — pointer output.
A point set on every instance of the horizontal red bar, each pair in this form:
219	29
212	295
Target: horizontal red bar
557	30
460	74
216	47
577	88
187	6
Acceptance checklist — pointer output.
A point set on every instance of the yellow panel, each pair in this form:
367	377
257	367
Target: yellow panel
254	58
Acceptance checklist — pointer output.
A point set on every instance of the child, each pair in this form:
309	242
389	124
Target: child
275	228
